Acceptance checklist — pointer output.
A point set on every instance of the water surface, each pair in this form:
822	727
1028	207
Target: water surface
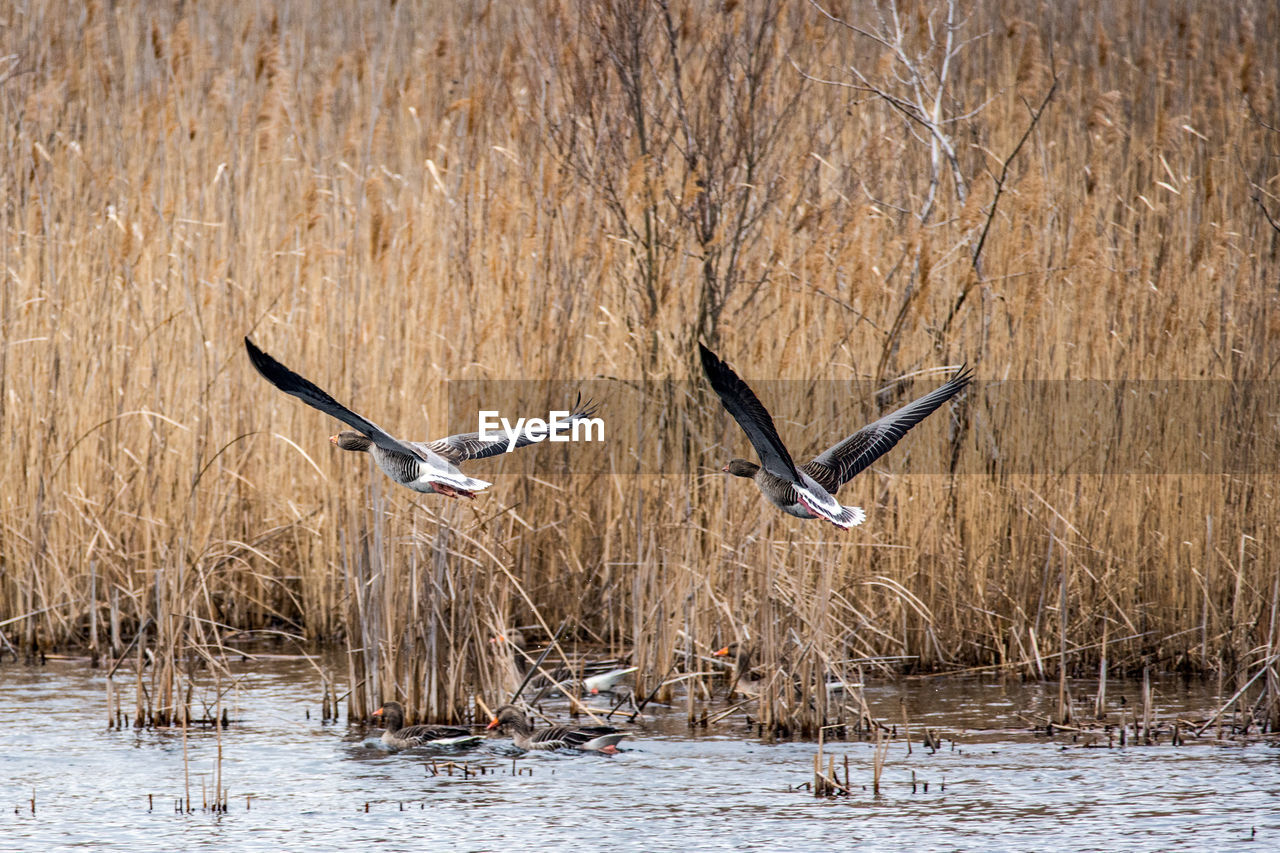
296	783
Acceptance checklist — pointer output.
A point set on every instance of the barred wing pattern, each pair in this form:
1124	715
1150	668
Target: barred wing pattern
565	736
837	465
469	445
444	735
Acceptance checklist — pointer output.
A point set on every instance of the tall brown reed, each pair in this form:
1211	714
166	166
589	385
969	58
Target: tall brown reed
478	191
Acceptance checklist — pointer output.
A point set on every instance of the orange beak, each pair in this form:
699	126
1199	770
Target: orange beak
333	439
377	713
493	724
720	652
725	469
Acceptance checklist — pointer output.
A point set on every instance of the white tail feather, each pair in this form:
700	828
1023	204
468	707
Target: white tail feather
463	740
602	743
822	504
458	480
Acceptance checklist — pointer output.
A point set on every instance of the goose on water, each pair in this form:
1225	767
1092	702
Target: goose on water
808	490
606	682
509	718
400	736
429	467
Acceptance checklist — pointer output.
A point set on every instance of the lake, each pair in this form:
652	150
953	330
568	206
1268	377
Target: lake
296	783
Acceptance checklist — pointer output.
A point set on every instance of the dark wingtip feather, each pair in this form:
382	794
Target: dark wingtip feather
720	373
716	371
751	415
583	410
711	363
276	373
259	359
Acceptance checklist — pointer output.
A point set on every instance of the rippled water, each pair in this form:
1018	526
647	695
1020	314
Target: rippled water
297	784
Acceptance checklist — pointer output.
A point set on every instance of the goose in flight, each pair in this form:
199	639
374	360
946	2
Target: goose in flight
808	490
428	467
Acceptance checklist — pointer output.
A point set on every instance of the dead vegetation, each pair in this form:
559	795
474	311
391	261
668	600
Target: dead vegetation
584	189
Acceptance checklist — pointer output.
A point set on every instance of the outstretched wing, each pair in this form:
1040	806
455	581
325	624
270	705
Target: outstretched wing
471	445
840	463
751	415
311	394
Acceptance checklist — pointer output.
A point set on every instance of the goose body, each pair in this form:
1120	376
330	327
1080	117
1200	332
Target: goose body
808	490
510	719
426	472
427	467
605	682
399	736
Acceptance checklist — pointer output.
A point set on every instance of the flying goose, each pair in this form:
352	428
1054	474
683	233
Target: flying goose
587	738
808	490
399	736
429	467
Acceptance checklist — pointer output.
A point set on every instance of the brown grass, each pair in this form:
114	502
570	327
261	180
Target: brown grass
472	191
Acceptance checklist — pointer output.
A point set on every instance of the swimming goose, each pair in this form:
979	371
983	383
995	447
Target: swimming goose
428	467
509	718
808	490
398	736
743	670
606	682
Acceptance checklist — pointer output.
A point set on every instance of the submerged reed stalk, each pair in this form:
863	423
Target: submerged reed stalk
878	759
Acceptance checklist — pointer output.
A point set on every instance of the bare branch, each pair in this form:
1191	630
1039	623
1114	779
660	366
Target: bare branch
848	26
995	200
1004	174
1257	199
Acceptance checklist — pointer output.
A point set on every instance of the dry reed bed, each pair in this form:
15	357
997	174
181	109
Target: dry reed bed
477	192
